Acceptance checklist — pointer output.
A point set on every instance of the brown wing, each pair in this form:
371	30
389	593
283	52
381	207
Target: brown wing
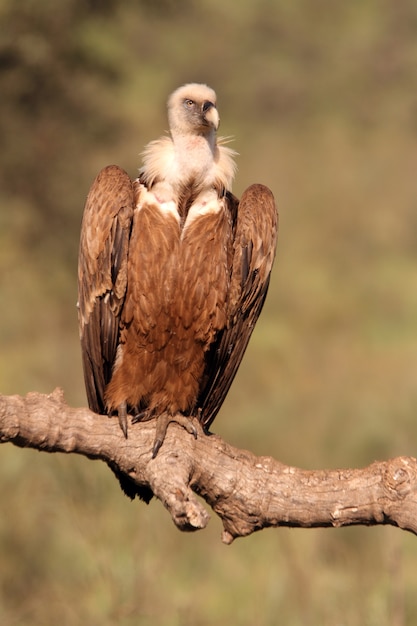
254	253
102	276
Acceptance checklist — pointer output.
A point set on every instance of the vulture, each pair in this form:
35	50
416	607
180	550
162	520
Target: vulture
173	272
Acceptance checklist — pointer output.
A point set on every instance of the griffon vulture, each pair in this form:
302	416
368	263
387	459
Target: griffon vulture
173	272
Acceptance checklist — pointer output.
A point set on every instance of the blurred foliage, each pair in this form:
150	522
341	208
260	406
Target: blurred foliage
322	101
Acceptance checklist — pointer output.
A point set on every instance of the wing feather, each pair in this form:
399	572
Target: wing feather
253	255
102	276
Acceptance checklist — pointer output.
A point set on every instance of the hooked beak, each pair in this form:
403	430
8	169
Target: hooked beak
210	114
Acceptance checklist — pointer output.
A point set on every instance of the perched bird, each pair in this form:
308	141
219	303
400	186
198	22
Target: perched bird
173	272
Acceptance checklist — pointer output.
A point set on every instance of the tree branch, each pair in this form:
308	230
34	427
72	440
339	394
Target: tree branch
247	492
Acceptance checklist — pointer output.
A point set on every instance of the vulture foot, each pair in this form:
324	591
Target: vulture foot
162	422
162	425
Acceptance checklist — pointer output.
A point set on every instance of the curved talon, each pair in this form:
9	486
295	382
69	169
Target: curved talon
122	416
190	428
156	446
141	417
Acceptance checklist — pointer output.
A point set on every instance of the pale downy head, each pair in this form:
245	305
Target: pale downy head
192	110
192	152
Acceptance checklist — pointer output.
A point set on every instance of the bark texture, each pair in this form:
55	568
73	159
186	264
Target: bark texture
247	492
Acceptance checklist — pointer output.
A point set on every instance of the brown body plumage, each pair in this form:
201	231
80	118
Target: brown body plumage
173	272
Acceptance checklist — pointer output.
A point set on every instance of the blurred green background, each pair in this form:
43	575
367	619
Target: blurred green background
321	98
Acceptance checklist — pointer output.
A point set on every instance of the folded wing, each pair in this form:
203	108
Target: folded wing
102	276
255	238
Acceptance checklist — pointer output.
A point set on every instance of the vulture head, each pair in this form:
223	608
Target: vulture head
192	110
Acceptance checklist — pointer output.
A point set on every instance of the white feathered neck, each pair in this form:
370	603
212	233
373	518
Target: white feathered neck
188	159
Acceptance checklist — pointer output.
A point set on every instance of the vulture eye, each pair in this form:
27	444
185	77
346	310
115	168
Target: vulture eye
189	103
